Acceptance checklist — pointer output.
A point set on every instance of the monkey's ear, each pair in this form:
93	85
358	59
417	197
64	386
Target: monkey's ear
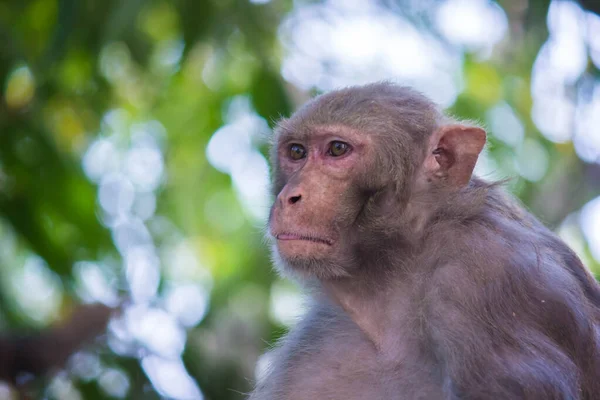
453	152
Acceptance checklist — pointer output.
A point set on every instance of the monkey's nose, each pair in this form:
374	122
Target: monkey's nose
290	195
294	199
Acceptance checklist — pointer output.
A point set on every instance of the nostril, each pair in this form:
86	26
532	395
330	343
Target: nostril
294	199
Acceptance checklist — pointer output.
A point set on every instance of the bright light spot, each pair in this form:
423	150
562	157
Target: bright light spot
590	224
6	392
240	107
334	45
144	205
565	50
94	284
167	55
566	18
182	264
148	134
157	330
62	388
560	63
37	290
115	61
20	88
570	231
565	57
505	125
101	158
234	140
188	303
227	143
144	163
475	24
260	1
250	176
114	382
587	133
143	273
553	115
170	378
231	150
129	233
287	304
86	366
116	194
120	340
593	37
116	122
304	72
144	166
532	160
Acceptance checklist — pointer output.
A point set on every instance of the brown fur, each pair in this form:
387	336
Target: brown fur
434	286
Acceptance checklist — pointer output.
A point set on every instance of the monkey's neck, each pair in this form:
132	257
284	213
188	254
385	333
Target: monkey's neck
368	307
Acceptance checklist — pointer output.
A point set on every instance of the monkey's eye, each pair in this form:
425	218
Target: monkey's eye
297	152
337	148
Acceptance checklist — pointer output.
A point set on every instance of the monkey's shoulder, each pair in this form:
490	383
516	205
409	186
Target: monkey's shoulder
319	358
507	279
503	238
327	356
504	261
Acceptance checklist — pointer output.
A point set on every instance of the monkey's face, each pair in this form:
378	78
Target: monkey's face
319	198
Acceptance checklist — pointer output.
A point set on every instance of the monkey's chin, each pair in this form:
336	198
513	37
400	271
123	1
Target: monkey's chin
307	260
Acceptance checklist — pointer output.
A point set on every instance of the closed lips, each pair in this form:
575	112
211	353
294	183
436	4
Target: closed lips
310	238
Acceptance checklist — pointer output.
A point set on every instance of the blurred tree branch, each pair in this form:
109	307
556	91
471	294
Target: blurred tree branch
43	352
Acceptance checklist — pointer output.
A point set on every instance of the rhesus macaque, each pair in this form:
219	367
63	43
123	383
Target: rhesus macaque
41	353
426	282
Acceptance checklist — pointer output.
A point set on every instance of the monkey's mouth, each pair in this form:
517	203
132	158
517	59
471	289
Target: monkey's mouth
308	238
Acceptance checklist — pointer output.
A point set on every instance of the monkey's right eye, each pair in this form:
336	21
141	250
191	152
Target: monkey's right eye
297	152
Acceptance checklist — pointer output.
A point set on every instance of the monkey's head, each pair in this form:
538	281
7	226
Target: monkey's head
348	168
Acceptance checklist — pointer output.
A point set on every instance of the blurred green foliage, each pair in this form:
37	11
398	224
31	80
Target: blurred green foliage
65	63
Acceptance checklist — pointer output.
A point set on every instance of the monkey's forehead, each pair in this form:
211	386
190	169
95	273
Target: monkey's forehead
287	129
375	124
380	108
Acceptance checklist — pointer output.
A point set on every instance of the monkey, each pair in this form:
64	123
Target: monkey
40	353
423	281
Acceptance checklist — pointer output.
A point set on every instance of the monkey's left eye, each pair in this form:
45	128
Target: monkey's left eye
337	148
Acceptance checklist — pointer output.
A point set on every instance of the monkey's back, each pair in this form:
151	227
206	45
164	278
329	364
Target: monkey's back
505	285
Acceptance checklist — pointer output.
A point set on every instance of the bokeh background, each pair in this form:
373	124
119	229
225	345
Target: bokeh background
133	171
